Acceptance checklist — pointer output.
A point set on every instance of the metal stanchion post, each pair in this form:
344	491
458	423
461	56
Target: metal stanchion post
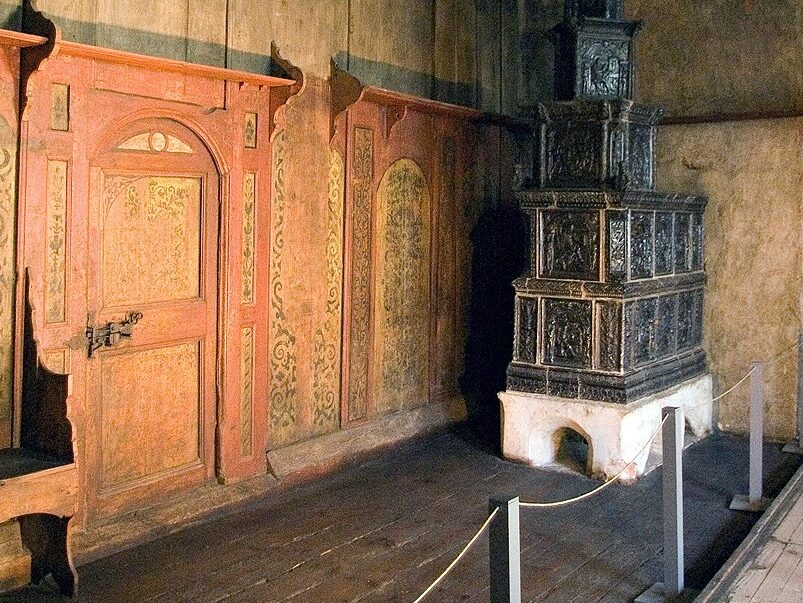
505	551
673	583
754	501
797	447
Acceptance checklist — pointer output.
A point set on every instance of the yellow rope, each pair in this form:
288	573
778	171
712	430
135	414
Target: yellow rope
561	503
459	557
737	384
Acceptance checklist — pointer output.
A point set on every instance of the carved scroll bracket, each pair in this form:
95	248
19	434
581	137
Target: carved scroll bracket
347	91
280	98
44	42
393	115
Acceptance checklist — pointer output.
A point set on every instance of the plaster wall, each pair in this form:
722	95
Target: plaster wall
751	173
715	63
724	57
721	57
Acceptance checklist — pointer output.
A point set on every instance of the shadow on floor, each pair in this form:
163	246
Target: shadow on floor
381	530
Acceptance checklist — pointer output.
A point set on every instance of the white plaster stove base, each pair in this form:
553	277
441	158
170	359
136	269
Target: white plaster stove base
615	432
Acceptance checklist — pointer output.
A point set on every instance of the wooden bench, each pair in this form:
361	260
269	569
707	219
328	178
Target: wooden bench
38	478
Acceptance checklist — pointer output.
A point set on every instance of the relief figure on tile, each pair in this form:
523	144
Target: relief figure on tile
568	332
572	153
571	244
603	67
528	325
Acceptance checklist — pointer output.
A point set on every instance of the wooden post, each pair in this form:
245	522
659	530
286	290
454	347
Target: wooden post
505	551
754	501
673	584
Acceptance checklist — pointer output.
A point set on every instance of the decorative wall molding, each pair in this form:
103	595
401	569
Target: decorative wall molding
362	179
8	176
56	265
328	344
282	387
246	391
248	238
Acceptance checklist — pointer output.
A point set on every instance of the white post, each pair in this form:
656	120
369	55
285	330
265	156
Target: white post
797	447
505	551
673	583
754	501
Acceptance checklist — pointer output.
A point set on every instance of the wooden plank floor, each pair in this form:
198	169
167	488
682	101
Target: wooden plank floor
382	530
768	566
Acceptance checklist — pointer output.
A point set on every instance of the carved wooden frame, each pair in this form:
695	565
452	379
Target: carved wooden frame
104	97
402	126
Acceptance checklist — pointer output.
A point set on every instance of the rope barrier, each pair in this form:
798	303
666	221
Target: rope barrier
780	356
738	383
561	503
459	557
596	490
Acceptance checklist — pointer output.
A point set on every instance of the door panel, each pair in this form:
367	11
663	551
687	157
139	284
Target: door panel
166	417
151	239
153	250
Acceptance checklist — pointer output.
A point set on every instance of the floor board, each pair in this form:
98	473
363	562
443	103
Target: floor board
381	530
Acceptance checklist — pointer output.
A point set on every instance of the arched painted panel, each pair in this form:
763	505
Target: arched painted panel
402	307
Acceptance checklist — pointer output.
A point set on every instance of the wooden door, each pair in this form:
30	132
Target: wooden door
153	248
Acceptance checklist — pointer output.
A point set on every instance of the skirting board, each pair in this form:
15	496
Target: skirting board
320	455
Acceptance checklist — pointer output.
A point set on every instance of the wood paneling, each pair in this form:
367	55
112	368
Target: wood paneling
362	180
282	361
409	208
57	361
151	235
249	238
56	266
326	362
8	174
446	340
144	204
402	308
59	107
247	391
150	413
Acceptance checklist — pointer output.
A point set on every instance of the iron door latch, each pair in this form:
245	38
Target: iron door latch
110	334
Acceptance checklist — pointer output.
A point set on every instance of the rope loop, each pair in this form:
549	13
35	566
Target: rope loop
459	557
568	501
